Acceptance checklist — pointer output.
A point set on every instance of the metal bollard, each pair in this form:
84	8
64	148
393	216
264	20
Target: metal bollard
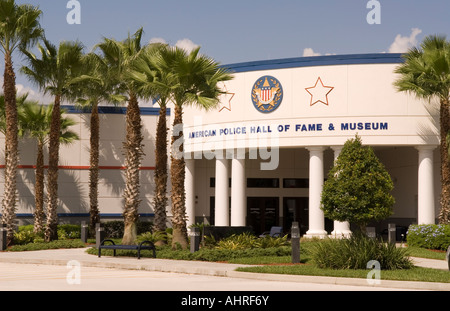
3	237
295	242
84	231
448	258
100	234
195	239
392	233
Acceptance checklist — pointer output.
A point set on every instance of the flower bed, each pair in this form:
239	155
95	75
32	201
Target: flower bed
429	236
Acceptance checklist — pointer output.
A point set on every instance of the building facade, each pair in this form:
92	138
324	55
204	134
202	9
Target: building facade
260	159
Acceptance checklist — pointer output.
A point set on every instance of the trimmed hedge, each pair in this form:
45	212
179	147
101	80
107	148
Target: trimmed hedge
204	254
429	236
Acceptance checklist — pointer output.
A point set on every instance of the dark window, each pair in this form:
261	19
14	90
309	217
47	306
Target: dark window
212	182
263	183
295	183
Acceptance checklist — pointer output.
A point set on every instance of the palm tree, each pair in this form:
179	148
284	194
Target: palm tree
20	100
53	74
92	88
35	121
157	84
426	74
119	56
19	27
197	78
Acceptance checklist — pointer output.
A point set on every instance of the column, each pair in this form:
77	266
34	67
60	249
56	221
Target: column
189	184
426	213
341	229
222	196
238	194
316	178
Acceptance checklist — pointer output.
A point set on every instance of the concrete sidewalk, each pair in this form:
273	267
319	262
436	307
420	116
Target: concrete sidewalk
63	256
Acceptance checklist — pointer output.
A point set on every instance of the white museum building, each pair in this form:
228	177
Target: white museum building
261	158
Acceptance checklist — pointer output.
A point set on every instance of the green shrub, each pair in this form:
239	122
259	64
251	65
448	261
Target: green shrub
357	251
429	236
26	235
249	241
47	245
214	254
237	241
152	237
68	231
114	229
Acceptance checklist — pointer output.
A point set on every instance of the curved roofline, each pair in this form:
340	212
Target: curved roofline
348	59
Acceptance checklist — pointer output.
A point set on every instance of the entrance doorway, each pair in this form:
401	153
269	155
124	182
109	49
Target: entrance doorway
296	209
262	213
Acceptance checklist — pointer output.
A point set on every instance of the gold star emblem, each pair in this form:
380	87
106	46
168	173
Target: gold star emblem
225	99
319	92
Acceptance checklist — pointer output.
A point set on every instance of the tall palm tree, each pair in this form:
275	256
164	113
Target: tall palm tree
426	74
19	27
53	74
95	86
120	56
157	84
197	79
35	122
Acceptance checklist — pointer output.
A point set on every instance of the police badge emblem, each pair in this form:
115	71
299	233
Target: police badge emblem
267	94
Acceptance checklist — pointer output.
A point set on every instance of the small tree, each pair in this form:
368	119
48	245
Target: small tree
358	187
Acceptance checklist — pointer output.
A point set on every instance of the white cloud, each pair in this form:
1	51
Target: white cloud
33	95
403	44
186	44
157	40
310	52
21	90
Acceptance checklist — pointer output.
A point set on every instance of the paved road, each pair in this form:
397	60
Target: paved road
36	277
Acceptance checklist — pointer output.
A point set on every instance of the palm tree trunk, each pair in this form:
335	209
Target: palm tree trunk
133	147
11	149
51	231
93	170
39	215
444	215
160	198
178	195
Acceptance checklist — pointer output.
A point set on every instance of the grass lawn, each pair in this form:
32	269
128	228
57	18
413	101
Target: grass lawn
282	265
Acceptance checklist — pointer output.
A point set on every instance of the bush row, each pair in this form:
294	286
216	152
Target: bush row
113	229
205	254
429	236
25	234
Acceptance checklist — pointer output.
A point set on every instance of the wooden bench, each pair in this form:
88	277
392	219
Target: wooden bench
137	248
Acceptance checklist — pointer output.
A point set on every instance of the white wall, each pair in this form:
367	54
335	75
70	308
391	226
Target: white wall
73	176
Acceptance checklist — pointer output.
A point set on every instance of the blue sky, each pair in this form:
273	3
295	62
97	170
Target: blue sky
235	31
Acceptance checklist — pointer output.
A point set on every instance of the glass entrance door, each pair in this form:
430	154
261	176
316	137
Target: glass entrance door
296	209
262	213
